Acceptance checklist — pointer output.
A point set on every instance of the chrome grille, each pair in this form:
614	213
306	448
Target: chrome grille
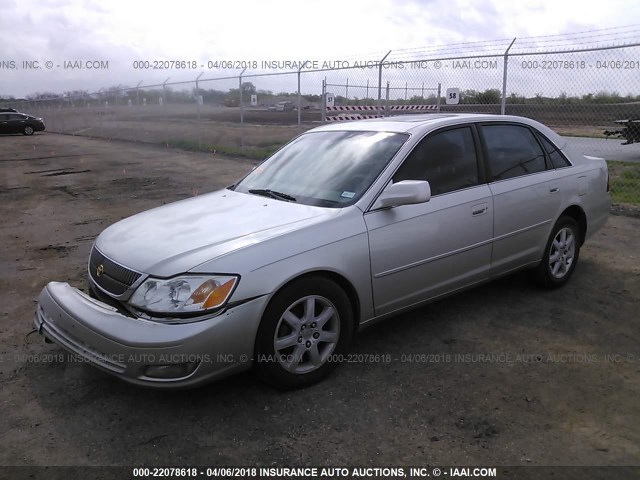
114	279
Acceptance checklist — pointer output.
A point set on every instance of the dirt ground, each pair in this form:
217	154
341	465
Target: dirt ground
505	374
181	125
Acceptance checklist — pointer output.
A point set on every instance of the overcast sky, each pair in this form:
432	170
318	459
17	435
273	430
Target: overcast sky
121	32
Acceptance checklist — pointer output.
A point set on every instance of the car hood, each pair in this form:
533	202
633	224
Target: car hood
177	237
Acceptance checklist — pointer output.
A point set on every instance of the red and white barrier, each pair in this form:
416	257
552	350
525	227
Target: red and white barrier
342	118
385	108
360	108
352	108
413	107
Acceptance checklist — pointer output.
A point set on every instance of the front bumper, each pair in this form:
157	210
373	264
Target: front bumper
126	347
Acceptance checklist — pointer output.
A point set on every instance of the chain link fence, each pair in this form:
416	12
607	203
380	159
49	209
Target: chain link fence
589	95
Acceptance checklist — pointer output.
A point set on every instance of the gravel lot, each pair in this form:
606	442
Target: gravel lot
505	374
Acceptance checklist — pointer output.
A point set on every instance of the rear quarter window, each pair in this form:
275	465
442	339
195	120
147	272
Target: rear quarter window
558	160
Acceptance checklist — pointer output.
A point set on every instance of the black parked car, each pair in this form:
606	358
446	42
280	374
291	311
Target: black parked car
20	123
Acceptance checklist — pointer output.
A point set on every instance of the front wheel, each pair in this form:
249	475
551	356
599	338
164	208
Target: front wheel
560	255
305	328
28	130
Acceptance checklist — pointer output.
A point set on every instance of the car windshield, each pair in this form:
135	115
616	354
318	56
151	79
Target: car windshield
328	169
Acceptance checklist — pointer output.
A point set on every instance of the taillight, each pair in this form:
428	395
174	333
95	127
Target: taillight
608	186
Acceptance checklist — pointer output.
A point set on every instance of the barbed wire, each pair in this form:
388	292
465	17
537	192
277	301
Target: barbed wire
498	46
460	50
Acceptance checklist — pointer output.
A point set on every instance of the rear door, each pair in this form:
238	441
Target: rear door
425	250
527	194
5	126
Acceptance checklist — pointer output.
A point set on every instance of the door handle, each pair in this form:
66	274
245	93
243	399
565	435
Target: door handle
479	209
554	190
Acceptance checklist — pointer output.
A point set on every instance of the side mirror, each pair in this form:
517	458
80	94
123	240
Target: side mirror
406	192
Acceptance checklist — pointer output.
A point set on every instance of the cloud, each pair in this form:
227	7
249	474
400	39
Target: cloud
122	32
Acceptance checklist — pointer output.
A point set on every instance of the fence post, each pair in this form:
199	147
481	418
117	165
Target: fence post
323	102
503	102
198	110
241	112
100	112
367	97
386	109
439	93
346	92
164	110
137	109
380	82
300	95
60	102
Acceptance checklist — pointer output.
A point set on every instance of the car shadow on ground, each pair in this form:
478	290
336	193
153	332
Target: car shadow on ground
432	324
19	134
368	395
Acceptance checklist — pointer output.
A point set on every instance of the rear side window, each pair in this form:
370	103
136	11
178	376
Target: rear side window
557	159
513	151
447	160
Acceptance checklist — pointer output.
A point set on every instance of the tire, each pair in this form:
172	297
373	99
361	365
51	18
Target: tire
28	130
294	348
560	254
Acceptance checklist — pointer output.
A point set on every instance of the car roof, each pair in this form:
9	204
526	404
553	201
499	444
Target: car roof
423	123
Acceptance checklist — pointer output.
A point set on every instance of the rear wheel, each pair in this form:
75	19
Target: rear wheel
561	254
303	331
28	130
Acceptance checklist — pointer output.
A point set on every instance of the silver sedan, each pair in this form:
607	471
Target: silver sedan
347	224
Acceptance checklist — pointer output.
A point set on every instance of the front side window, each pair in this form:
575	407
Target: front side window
513	151
329	169
447	160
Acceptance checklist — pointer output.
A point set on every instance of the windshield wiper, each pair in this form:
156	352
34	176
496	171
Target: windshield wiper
273	194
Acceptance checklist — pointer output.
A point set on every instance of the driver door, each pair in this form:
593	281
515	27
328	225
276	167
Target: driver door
425	250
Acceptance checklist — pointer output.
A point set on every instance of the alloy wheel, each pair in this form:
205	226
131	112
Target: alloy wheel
562	252
307	334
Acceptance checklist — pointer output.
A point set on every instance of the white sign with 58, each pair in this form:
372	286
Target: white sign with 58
453	96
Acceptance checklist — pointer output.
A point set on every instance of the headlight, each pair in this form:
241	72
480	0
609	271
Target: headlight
183	295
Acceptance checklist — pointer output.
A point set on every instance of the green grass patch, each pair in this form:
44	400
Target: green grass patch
251	152
624	178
